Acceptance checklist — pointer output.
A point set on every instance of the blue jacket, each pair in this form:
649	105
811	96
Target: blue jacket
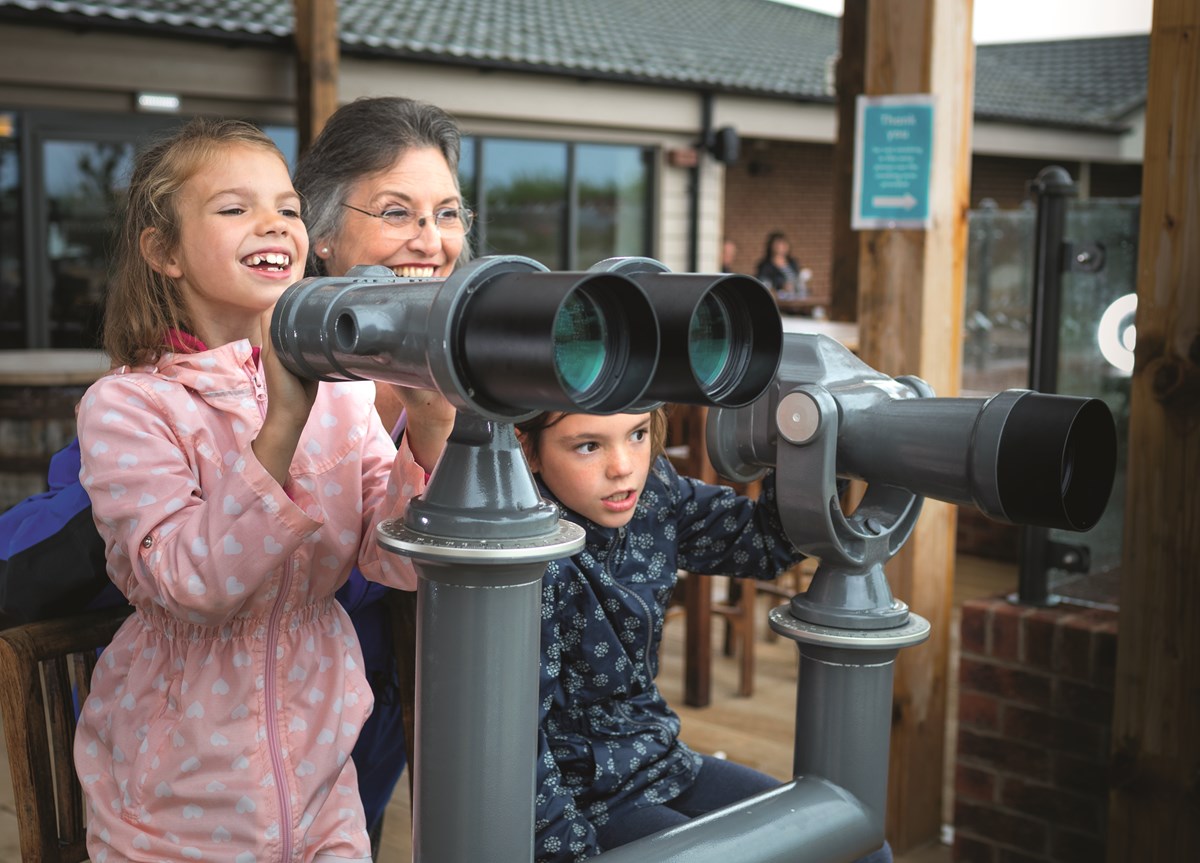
606	736
52	563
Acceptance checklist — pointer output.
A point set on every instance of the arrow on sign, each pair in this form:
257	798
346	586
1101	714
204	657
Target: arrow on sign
903	202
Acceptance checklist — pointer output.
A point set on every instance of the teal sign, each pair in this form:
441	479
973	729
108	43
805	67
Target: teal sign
893	153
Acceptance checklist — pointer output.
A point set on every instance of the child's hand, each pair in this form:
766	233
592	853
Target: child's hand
289	401
430	420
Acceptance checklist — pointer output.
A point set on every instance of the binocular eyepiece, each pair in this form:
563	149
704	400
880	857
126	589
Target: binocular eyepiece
504	337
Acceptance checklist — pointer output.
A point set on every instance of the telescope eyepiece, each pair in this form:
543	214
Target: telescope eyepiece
1056	461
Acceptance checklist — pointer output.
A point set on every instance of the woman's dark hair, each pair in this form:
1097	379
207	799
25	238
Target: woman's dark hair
768	251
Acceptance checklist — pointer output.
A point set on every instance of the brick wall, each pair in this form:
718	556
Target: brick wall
782	187
981	536
1034	727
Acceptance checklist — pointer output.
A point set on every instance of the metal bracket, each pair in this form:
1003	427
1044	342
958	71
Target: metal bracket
1085	257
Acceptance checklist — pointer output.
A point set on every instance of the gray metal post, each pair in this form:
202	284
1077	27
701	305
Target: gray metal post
1053	188
480	551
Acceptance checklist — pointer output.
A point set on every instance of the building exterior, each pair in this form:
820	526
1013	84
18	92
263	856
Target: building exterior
593	125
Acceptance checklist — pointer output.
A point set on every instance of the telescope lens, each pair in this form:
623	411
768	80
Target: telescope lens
580	336
709	340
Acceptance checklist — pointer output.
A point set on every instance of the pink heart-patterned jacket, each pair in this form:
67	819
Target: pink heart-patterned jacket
221	717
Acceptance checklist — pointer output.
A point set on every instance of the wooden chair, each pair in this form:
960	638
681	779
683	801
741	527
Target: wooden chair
44	668
688	452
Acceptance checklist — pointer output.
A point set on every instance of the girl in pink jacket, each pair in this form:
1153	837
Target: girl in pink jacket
233	499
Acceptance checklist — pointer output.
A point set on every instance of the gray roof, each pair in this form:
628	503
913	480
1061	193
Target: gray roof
739	46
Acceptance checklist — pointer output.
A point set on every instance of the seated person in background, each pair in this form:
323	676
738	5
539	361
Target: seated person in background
729	252
777	269
611	767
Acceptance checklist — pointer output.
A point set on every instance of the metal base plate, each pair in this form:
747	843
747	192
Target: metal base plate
395	536
914	631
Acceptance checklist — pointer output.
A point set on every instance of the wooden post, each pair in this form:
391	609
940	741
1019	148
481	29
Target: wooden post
316	66
1156	723
844	266
910	307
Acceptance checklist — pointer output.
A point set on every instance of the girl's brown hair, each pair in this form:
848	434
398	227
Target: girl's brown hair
143	306
531	431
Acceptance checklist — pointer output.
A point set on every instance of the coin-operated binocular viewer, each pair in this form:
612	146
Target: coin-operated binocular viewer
503	338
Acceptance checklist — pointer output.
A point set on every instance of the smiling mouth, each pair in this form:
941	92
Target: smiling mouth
271	261
413	272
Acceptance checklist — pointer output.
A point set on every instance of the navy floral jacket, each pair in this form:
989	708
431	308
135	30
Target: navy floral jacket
606	735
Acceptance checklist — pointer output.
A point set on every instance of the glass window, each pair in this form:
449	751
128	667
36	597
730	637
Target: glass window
13	327
611	185
565	205
524	198
466	172
84	182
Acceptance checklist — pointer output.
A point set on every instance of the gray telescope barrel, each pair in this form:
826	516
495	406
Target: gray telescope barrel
341	329
502	336
1019	456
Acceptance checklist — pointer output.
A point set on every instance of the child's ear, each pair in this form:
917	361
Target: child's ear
159	259
530	457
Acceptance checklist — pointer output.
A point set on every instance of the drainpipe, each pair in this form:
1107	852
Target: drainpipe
706	132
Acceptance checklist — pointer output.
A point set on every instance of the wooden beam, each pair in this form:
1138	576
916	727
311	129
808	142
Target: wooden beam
844	266
317	57
910	302
1156	719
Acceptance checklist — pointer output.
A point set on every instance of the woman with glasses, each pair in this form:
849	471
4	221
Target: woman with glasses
380	186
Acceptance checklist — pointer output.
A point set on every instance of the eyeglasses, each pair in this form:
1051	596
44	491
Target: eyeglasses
448	220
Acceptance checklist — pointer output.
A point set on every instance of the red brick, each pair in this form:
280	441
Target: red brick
1104	655
1082	701
1010	829
1006	632
1009	756
967	849
1004	681
979	710
973	627
1038	638
1055	732
1073	647
973	783
1084	813
979	535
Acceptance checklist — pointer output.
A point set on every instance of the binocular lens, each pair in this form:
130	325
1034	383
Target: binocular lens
580	339
710	340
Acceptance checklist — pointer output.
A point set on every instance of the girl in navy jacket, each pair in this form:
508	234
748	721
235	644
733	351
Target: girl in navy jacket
611	767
